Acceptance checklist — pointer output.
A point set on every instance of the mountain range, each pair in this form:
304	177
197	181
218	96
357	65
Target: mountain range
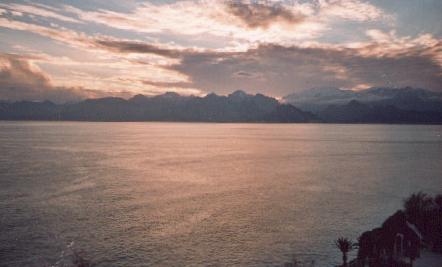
236	107
373	105
317	99
330	105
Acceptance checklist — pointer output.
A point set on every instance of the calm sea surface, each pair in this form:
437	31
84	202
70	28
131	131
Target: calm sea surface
184	194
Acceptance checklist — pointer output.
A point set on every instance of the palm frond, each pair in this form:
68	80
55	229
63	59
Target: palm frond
344	244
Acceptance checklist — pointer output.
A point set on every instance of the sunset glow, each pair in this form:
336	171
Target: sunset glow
63	51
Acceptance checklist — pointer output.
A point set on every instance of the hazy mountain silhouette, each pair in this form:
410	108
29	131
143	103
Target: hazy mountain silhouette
374	105
317	99
236	107
357	112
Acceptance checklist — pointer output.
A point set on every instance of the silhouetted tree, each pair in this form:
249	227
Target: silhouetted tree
345	245
416	206
426	213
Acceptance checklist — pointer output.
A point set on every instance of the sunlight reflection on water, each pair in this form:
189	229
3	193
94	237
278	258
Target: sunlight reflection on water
168	194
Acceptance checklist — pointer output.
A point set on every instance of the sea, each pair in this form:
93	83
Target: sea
203	194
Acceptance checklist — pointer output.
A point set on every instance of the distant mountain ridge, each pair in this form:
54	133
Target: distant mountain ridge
374	105
408	98
329	105
236	107
357	112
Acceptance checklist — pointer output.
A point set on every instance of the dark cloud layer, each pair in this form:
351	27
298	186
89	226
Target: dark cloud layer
279	70
257	15
270	69
168	84
134	47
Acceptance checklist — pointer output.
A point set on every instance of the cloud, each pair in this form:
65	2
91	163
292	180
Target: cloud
386	60
270	66
22	80
258	15
183	88
241	21
353	10
117	60
122	46
280	70
40	10
57	33
221	21
169	84
218	23
246	74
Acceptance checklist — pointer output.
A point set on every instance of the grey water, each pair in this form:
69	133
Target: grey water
203	194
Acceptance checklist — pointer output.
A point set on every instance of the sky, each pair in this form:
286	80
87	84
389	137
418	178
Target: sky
68	50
